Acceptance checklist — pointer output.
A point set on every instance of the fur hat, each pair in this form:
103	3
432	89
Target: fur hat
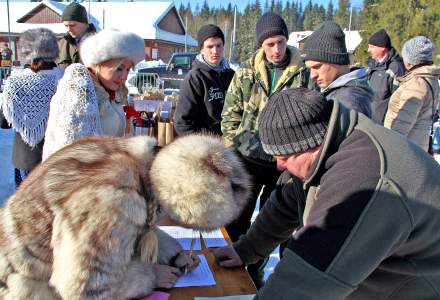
199	182
39	43
109	44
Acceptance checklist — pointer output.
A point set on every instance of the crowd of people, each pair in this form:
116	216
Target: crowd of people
338	156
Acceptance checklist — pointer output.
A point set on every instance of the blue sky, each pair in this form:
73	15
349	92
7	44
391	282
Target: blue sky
241	4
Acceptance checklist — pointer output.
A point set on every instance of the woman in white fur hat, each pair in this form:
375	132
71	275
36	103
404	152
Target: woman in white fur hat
90	97
26	98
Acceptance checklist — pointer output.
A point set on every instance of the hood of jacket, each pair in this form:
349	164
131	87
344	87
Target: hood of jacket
201	65
426	71
258	66
357	77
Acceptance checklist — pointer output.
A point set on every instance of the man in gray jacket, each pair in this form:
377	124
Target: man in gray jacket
326	55
368	228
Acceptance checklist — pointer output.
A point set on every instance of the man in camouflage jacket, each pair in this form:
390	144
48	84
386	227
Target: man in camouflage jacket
274	67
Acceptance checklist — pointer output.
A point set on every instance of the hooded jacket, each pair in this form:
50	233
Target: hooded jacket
89	227
368	226
69	48
383	80
352	90
201	99
248	94
412	105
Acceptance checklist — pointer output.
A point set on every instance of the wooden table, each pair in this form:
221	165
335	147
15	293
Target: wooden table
235	281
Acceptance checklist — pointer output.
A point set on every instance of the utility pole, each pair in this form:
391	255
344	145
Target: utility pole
186	32
232	46
349	28
9	32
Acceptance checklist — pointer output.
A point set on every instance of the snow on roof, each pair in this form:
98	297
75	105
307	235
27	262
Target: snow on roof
352	38
141	18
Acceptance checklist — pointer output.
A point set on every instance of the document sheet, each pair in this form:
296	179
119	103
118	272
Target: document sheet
184	236
200	276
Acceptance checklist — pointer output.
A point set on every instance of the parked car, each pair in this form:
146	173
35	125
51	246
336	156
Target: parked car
171	74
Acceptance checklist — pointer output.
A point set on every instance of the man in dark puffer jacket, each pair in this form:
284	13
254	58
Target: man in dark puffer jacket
384	66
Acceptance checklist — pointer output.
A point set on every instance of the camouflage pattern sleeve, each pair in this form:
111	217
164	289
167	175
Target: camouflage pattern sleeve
232	109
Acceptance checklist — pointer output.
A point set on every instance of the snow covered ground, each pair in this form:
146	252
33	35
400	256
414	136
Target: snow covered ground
6	168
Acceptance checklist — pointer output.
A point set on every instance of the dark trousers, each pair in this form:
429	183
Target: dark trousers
263	177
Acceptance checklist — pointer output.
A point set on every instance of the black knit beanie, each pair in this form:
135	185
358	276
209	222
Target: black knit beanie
381	39
326	44
75	12
208	31
293	121
270	24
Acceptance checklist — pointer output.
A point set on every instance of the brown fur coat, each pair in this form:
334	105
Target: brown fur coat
73	228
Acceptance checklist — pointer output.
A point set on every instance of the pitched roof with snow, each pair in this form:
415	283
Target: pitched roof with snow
352	38
141	18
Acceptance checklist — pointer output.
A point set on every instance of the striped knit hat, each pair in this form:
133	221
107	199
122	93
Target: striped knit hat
293	121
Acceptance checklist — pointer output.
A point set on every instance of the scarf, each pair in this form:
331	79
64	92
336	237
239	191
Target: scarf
223	64
26	100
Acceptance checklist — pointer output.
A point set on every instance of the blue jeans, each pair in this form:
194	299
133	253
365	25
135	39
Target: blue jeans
20	175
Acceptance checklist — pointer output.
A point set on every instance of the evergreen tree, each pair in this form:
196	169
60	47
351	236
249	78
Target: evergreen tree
404	19
343	13
329	13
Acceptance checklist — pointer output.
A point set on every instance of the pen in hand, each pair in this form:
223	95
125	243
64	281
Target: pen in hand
193	242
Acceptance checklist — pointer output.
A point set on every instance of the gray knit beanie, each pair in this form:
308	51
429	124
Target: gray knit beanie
75	12
418	50
326	44
270	24
293	121
39	43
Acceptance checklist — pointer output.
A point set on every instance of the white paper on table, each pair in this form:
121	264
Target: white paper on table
214	238
183	236
200	276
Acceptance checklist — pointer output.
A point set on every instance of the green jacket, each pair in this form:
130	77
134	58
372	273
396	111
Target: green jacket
391	248
247	95
69	50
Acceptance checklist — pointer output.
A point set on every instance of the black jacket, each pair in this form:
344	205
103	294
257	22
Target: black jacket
382	77
201	99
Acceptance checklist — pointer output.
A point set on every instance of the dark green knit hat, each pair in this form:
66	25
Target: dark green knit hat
75	12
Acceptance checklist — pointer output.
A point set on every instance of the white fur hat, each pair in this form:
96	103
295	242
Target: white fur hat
199	182
109	44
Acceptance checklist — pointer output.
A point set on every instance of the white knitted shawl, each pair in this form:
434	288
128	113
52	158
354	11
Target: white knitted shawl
74	111
26	100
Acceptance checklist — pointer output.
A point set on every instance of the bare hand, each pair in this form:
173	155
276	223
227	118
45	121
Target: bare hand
166	276
227	257
186	261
